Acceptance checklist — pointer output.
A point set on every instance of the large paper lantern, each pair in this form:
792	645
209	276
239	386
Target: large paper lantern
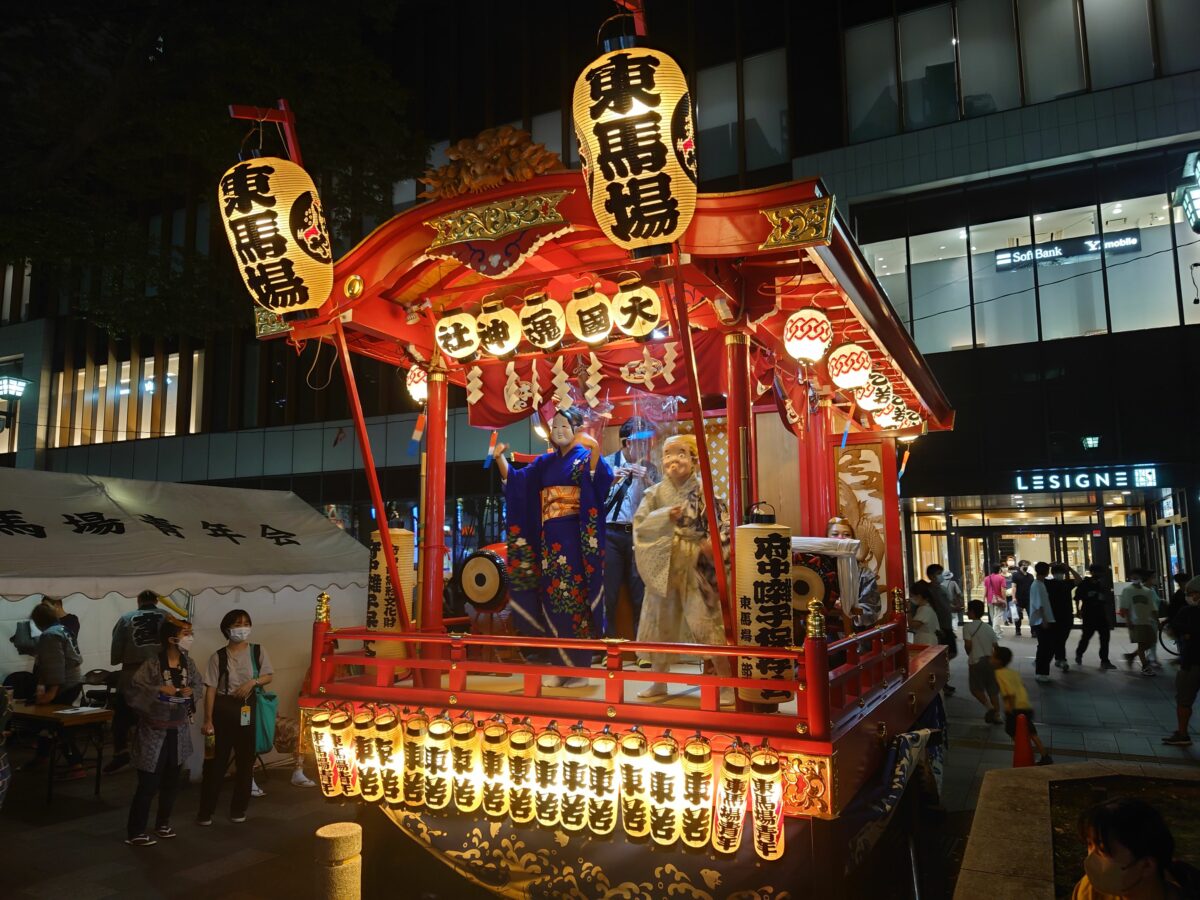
547	776
763	566
277	231
466	765
849	366
807	335
416	731
437	762
634	121
875	394
520	773
634	761
494	762
575	758
589	316
766	802
695	826
455	334
417	382
636	309
602	788
499	329
730	810
543	322
665	793
889	416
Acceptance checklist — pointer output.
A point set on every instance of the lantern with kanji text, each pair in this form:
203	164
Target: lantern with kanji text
589	316
543	322
636	309
498	328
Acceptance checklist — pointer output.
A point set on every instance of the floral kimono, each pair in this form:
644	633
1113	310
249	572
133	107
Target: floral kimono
556	547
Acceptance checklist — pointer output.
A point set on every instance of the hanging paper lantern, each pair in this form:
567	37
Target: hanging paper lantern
499	329
494	762
589	316
370	781
602	789
807	335
520	773
665	793
277	231
323	750
891	415
763	563
637	309
455	334
389	751
634	121
849	366
543	322
635	807
466	765
730	809
416	730
695	826
417	382
575	757
437	762
766	802
547	776
341	726
875	393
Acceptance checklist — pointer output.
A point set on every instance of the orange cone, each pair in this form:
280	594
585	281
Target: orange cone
1022	746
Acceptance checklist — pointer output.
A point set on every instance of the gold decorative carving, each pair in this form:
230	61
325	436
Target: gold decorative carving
268	323
354	287
808	787
816	620
494	220
799	224
322	607
496	156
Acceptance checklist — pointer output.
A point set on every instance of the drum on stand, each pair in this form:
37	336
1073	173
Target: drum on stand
483	579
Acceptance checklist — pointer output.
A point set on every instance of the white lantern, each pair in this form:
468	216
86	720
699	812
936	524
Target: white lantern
875	394
547	776
696	824
416	730
849	366
341	726
520	773
664	790
807	335
766	802
466	765
589	316
455	334
389	750
417	382
494	760
370	779
576	755
543	322
889	416
322	744
499	329
730	809
602	790
437	762
637	309
635	807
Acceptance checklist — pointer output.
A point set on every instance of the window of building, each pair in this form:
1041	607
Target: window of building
871	80
1178	27
1051	51
125	397
987	53
1187	248
1137	256
889	261
927	67
197	390
716	117
941	298
765	77
1005	299
1118	39
1070	285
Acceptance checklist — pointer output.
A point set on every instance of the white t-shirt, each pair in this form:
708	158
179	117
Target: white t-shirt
926	622
240	669
982	638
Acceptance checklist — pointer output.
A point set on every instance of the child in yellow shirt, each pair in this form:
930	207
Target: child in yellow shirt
1016	701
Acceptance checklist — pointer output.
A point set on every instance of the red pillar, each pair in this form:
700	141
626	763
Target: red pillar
816	673
433	507
737	427
821	501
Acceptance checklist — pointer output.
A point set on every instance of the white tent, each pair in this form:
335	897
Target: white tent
98	542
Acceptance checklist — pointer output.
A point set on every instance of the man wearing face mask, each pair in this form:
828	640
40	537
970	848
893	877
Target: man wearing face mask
1131	855
1185	625
1060	589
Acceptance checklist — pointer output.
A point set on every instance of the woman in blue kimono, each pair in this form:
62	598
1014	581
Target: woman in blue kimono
556	539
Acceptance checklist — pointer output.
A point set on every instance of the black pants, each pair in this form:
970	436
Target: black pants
1020	617
1045	648
124	720
66	742
164	781
1085	635
1061	631
620	568
233	739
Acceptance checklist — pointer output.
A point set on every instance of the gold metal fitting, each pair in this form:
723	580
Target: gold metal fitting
354	287
321	689
736	337
803	687
802	728
322	607
453	665
898	601
611	712
861	703
816	620
612	674
453	700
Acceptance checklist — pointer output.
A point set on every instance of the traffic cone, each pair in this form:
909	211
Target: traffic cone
1022	746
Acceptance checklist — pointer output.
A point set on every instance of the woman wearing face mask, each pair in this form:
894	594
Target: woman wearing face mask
1131	856
163	693
233	674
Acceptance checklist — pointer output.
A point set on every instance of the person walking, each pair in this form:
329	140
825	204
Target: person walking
1041	623
924	621
163	692
954	594
1139	608
633	473
1185	625
995	590
979	639
1179	595
134	640
1016	700
1094	599
231	677
1022	582
1060	587
940	603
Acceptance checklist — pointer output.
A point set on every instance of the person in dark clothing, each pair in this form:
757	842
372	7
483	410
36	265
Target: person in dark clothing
1185	625
1060	587
67	620
134	640
1179	596
633	473
940	601
1022	581
1094	600
58	683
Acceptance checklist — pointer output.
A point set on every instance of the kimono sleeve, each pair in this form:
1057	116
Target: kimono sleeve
653	533
143	691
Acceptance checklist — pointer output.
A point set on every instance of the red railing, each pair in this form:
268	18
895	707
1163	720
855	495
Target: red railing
871	662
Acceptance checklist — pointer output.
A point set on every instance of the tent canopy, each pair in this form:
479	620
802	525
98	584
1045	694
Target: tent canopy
63	534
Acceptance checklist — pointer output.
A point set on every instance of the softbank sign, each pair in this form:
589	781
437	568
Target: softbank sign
1069	250
1087	479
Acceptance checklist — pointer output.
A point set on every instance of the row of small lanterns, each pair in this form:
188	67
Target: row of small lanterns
663	788
590	317
807	337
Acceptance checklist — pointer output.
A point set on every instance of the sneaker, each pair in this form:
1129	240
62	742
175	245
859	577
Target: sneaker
74	773
142	840
1154	663
1046	760
1042	679
238	819
1105	665
117	763
204	823
1178	740
1148	672
1079	659
255	790
644	664
1062	664
1018	632
166	832
299	779
1129	658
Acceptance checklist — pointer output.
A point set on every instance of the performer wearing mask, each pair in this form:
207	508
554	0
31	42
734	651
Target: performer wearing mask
556	539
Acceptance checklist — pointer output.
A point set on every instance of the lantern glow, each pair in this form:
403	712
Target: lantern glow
589	316
576	755
370	779
520	773
875	394
664	790
697	813
456	336
636	309
766	802
635	806
466	765
730	811
494	764
323	750
341	727
416	730
849	366
807	335
498	329
389	751
437	762
602	791
547	776
543	321
417	382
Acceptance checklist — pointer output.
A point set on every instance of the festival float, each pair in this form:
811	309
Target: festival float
614	289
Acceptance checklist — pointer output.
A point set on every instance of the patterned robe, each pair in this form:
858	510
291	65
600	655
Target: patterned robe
157	713
556	566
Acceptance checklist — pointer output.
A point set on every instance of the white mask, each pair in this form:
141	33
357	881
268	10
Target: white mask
186	641
239	635
1108	876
